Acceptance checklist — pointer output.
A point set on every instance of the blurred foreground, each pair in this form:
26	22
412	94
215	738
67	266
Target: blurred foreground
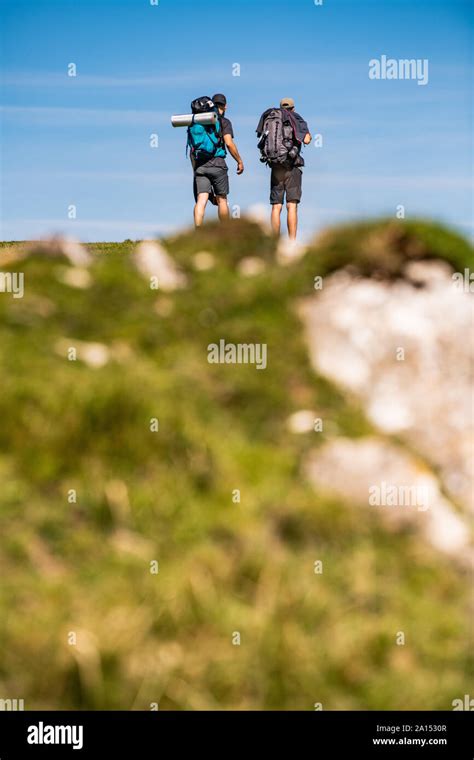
256	515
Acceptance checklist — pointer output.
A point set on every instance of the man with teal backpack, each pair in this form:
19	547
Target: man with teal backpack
207	145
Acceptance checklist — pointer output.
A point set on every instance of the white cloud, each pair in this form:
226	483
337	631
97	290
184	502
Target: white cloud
58	79
61	116
389	181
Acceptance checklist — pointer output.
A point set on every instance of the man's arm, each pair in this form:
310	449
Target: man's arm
234	152
303	132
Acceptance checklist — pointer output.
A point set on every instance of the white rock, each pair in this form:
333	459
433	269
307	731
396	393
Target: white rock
250	266
428	273
57	245
359	469
301	421
75	277
203	260
355	328
75	252
93	354
289	251
152	260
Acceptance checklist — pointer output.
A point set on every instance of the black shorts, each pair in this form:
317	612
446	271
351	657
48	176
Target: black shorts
207	178
287	181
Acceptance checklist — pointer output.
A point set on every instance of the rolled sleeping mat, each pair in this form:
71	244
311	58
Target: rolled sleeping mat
185	120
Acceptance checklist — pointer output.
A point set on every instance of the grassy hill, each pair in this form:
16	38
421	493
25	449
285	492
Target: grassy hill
79	566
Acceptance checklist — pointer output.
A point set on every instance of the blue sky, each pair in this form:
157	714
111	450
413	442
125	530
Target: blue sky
85	140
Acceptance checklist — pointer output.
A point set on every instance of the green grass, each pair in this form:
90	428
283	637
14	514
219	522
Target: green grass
141	496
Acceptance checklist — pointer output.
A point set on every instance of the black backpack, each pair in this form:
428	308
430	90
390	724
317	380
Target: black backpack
202	105
278	143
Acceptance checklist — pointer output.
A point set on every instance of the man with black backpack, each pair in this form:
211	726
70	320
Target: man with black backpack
208	145
282	133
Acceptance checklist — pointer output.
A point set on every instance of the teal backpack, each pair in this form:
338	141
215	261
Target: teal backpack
205	142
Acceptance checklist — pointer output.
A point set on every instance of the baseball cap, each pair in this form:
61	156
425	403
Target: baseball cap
287	103
220	99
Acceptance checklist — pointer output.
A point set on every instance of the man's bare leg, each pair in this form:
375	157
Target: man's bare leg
200	208
276	213
292	219
222	207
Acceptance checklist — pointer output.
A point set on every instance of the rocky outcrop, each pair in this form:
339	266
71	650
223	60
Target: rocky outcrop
404	349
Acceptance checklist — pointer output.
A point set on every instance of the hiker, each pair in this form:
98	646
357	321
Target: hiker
209	147
282	133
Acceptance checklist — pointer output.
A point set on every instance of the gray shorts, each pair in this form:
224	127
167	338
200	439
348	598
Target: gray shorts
287	181
215	178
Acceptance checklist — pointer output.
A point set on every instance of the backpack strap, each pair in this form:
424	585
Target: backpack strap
221	131
188	142
220	135
292	121
219	141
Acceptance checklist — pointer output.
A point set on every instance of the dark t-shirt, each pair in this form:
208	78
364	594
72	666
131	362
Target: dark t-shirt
227	126
301	127
220	160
